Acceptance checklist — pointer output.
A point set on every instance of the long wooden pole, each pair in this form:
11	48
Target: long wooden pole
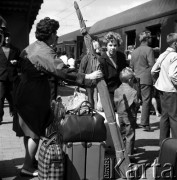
123	162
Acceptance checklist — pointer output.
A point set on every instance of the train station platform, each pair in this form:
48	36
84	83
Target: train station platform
12	151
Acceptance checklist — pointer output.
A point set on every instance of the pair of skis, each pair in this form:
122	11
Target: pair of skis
123	162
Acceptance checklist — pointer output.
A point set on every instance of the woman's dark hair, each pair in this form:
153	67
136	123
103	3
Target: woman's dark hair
112	36
45	28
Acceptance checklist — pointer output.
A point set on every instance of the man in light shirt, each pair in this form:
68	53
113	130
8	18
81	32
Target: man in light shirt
166	66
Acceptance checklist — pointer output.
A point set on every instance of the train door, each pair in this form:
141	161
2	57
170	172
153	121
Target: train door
130	44
156	39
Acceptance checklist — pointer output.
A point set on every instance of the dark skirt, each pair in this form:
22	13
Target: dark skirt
32	103
22	129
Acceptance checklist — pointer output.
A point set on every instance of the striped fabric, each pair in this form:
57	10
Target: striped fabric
50	161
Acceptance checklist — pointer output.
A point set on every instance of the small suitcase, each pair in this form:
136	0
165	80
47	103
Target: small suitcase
95	161
75	157
165	165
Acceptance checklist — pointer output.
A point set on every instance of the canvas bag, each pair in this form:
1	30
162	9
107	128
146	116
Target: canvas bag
50	159
75	100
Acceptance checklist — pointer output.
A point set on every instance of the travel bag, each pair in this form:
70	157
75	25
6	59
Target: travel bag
75	100
75	157
84	161
95	161
50	159
83	125
165	166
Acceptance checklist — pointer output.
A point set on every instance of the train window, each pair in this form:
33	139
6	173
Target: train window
156	38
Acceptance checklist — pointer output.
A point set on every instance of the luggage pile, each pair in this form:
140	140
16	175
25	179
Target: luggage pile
80	154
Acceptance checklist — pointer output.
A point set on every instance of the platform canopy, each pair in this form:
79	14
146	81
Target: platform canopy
28	7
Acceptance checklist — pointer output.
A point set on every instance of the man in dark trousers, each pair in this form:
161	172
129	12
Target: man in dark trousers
141	63
9	56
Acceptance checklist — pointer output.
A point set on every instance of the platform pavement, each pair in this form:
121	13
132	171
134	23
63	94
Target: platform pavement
12	150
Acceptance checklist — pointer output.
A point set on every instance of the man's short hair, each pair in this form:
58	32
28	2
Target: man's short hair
126	74
171	38
143	36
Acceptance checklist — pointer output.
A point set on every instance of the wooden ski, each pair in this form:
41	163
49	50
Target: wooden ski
123	162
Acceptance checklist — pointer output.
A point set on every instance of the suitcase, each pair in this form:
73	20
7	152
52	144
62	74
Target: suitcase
84	161
165	166
95	161
75	157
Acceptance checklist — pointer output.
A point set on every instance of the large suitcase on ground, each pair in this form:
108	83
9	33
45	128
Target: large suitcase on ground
95	161
84	161
75	161
165	165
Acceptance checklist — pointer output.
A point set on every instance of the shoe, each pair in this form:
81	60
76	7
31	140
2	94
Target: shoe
24	172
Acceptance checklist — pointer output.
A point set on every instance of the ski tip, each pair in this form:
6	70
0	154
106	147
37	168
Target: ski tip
76	5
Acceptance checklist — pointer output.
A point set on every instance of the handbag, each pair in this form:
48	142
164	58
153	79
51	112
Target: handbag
50	159
75	100
83	125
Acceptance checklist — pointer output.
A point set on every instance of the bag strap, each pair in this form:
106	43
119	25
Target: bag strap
84	102
54	137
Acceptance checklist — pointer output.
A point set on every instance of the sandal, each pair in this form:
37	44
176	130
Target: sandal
25	172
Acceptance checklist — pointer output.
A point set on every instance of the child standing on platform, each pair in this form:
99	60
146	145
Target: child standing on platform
127	103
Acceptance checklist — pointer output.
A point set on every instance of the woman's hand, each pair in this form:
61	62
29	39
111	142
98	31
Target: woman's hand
13	61
95	75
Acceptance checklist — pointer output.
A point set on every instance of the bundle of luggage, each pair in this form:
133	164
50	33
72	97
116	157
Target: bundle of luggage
76	148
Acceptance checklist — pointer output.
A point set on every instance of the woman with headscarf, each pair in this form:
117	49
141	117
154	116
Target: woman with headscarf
32	97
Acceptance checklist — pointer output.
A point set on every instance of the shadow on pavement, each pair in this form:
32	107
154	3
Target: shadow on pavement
155	125
146	142
19	177
144	160
11	169
143	156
